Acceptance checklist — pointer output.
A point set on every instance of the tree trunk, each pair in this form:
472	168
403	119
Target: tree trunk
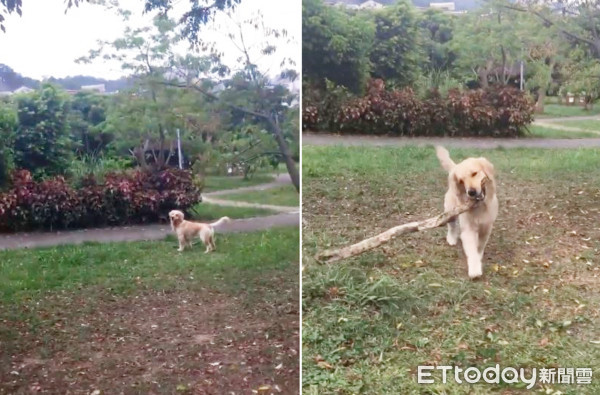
539	104
483	78
285	152
139	153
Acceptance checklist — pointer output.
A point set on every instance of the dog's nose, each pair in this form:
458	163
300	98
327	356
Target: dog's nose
472	192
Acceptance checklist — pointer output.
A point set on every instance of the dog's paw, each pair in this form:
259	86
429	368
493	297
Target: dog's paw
451	240
474	274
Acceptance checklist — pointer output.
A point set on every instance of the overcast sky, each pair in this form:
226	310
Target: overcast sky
45	41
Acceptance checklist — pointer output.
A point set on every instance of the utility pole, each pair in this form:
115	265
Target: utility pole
179	150
522	75
521	82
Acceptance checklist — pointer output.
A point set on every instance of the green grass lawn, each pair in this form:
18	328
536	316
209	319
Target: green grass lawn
560	110
208	212
587	124
219	183
285	195
370	321
537	131
142	317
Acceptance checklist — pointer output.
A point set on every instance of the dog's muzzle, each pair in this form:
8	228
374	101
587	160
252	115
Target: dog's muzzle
477	196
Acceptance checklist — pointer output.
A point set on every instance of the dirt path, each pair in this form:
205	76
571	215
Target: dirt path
135	233
550	125
286	216
235	203
280	179
576	118
481	143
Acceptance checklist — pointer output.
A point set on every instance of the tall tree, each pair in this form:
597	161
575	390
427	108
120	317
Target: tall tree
437	29
261	99
578	20
146	119
397	52
487	44
336	45
8	125
42	142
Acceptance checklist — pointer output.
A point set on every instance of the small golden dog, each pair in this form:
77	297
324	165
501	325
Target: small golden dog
473	178
187	230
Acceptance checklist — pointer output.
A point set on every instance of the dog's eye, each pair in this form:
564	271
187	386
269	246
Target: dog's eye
474	174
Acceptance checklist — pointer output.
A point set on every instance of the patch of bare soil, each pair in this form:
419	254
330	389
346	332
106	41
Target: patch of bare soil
152	343
538	227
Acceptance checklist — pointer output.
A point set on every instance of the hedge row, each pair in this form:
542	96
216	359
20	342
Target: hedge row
499	112
123	198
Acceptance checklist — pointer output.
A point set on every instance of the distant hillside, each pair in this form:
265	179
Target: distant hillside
11	80
77	81
461	5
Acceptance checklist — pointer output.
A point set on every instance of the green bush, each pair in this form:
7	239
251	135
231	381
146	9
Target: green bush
8	123
42	144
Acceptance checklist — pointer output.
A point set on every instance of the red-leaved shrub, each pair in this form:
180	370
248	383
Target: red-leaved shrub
496	111
124	198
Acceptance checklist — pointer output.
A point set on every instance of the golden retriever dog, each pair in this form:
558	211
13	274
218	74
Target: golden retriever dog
473	178
187	230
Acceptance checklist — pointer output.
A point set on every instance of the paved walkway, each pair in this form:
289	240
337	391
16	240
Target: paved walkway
480	143
235	203
575	118
135	233
550	125
286	216
279	180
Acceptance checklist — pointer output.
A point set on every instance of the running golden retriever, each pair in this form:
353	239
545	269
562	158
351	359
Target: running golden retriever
473	178
187	230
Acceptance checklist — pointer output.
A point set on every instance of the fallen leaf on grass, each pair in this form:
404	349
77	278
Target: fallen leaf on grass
322	363
435	285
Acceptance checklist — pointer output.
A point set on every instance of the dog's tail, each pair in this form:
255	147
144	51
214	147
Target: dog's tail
220	221
444	157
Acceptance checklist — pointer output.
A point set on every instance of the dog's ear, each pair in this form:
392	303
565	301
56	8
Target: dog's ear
456	183
488	167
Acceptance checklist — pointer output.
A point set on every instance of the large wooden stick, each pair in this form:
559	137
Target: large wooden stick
334	255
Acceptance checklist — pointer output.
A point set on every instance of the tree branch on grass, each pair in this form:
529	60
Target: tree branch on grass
333	255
